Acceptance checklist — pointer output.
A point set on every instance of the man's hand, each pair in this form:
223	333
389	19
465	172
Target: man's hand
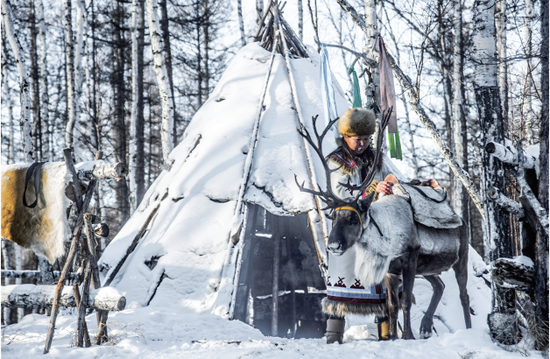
384	187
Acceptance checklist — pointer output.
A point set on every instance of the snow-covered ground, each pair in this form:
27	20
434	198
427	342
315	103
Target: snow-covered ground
162	332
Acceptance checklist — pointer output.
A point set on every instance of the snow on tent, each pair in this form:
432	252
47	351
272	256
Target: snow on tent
232	176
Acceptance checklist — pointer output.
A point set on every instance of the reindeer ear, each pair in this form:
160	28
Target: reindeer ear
365	202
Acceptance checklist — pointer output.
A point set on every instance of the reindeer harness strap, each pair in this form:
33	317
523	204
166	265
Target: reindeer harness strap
35	167
350	208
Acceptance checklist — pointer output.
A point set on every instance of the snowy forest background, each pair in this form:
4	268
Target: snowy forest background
79	57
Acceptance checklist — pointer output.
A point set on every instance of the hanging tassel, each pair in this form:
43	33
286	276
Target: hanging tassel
387	99
327	91
395	145
356	91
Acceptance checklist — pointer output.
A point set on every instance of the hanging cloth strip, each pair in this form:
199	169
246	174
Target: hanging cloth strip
356	91
387	99
327	90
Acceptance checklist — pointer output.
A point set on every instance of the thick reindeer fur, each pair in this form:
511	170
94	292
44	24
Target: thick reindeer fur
376	251
43	228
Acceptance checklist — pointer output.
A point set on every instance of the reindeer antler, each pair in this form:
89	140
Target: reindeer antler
327	196
331	199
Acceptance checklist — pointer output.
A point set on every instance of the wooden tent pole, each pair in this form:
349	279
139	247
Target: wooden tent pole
238	215
324	227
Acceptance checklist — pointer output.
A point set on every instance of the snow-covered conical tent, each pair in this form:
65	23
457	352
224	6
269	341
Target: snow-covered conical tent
233	175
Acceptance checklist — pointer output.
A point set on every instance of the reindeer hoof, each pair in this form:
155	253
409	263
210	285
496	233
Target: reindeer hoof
425	334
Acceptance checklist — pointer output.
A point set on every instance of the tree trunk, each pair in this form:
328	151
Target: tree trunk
241	22
24	121
69	74
502	320
6	265
259	11
446	77
165	92
459	128
136	176
373	53
119	124
541	246
34	84
527	131
44	97
500	15
18	266
164	26
79	56
7	107
300	20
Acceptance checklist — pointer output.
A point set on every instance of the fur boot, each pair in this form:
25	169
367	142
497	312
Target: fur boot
335	330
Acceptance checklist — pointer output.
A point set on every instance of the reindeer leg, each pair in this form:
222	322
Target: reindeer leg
409	271
392	286
428	319
461	274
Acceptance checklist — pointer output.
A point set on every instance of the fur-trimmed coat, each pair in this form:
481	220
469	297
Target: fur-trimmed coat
355	169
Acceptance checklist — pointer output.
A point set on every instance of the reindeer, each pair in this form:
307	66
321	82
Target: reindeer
390	244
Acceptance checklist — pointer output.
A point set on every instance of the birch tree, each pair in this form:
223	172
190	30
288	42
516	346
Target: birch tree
165	92
259	11
241	21
502	320
24	89
44	96
502	71
7	107
164	26
69	74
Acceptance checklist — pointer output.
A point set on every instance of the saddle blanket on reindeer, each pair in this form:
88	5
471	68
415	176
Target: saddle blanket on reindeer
429	202
41	225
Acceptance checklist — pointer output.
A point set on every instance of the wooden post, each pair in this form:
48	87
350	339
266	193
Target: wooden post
101	315
81	327
72	251
275	292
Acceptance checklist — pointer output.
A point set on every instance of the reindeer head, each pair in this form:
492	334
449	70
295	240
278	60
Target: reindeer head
348	214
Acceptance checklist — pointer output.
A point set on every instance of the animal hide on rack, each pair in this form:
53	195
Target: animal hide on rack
43	228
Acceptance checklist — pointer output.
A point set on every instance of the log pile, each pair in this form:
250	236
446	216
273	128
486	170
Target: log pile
28	295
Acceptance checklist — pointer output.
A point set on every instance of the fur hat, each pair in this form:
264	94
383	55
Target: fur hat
357	122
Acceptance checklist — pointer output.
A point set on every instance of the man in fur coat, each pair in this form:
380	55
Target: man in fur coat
352	161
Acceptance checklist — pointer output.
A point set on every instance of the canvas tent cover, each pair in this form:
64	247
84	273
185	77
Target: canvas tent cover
186	245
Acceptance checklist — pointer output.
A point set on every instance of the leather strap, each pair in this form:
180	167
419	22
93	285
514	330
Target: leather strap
428	197
36	168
